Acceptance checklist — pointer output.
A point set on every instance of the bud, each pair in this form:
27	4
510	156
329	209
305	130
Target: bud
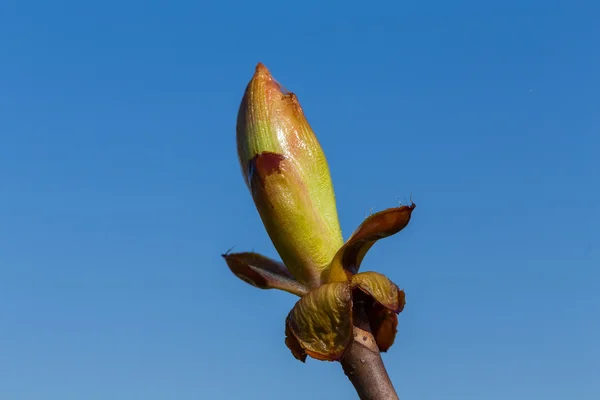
288	176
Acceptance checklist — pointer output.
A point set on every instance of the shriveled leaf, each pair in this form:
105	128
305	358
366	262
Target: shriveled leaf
384	325
321	321
386	302
381	289
378	226
263	272
294	345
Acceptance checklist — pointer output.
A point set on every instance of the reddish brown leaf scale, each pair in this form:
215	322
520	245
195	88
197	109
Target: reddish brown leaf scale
377	226
293	344
401	300
384	325
383	301
321	322
263	272
298	351
384	223
239	264
379	288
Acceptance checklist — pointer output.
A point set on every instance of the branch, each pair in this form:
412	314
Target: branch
363	365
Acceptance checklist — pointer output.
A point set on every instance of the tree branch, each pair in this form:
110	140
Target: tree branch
362	362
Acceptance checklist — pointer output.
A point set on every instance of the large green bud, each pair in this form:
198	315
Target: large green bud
286	171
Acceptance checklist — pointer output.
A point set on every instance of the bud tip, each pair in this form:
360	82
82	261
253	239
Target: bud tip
261	69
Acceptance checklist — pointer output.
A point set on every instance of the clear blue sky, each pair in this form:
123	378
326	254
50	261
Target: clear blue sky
120	188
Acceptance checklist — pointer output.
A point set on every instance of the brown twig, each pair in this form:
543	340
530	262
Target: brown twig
362	362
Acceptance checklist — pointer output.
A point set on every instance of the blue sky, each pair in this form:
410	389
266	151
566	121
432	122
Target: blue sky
119	190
